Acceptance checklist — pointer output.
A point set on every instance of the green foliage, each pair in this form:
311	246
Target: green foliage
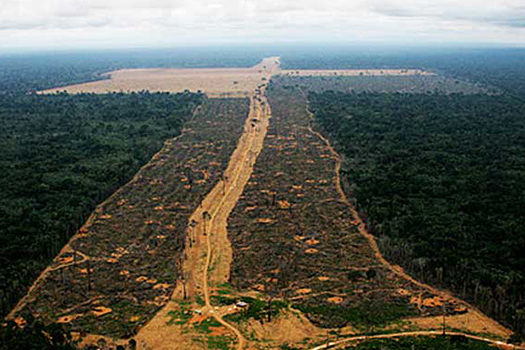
61	155
219	342
180	316
258	309
422	343
380	83
439	179
222	300
204	326
364	315
199	300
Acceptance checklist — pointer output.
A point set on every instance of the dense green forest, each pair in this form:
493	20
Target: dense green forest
61	156
439	179
379	83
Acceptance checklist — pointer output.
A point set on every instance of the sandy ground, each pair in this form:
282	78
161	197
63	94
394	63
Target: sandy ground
215	82
354	72
288	328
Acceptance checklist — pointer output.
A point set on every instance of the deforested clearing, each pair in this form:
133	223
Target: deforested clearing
215	82
354	72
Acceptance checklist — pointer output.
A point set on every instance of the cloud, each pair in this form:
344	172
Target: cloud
134	22
499	12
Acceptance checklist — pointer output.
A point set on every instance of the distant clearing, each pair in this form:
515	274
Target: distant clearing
215	82
385	83
354	72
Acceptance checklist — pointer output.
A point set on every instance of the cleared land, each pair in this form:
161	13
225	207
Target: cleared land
354	72
295	237
417	83
215	82
121	267
208	258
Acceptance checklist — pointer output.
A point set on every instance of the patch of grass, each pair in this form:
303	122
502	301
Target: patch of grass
222	300
181	316
363	315
225	285
219	342
204	326
199	300
257	309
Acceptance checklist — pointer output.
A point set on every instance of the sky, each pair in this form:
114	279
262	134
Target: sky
65	24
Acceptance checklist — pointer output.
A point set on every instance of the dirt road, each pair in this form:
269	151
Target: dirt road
209	258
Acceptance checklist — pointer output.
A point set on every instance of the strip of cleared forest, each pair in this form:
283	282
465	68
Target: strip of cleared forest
296	238
121	267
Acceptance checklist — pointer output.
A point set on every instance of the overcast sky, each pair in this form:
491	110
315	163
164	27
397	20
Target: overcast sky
164	23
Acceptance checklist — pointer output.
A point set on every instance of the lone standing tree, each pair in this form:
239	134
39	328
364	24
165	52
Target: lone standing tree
205	217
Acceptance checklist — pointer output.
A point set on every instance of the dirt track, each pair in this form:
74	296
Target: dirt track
209	259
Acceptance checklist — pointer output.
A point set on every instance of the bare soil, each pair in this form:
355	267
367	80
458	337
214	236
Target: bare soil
215	82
